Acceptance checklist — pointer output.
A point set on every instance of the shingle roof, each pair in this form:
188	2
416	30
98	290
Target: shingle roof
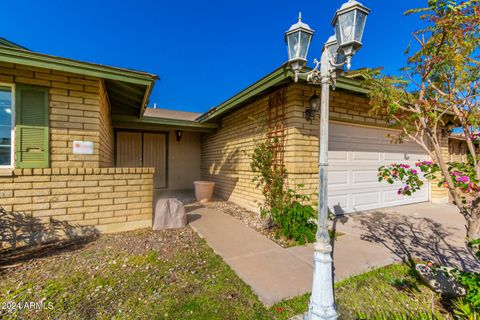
171	114
7	43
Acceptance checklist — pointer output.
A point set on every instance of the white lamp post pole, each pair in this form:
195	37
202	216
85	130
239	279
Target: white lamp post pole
349	24
322	304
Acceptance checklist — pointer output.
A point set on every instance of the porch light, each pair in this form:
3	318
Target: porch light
349	23
313	107
178	134
298	39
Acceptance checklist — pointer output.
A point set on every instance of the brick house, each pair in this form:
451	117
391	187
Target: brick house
358	144
78	143
75	147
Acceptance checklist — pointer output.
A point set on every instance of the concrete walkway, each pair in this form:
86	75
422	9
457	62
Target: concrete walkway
370	239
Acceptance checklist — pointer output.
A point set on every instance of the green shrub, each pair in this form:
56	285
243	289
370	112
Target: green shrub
287	209
464	310
471	282
295	218
475	244
269	177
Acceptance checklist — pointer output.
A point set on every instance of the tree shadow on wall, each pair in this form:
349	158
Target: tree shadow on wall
411	238
225	173
23	237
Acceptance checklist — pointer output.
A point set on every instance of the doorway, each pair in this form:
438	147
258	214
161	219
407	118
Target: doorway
136	149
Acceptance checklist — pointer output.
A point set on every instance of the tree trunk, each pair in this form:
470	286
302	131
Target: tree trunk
473	222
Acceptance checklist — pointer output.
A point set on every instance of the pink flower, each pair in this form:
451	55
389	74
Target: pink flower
464	179
415	172
424	163
400	191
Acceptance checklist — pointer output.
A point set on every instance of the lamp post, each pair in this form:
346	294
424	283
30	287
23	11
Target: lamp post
349	24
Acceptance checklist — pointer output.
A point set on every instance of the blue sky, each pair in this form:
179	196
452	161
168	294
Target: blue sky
203	51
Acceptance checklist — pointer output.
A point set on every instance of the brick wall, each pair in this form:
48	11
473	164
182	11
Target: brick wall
110	199
75	113
301	149
226	153
79	189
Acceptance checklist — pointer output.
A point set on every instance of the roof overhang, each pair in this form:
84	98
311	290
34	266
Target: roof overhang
154	123
278	77
133	80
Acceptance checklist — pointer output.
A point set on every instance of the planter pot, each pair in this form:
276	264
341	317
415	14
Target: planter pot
204	190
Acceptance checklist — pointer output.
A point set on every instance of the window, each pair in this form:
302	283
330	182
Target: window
6	126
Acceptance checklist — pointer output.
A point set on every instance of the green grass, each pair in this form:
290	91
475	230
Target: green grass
392	292
188	281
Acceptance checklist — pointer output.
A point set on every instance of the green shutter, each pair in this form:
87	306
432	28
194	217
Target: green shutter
31	130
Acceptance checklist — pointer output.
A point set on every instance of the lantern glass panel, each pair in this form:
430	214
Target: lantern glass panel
338	34
314	103
346	21
360	25
304	44
293	45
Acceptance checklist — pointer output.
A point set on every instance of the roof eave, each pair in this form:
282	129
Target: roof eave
282	74
277	76
166	123
29	58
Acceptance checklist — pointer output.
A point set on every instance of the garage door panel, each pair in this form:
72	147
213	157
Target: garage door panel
398	156
338	155
364	176
338	178
414	157
365	155
360	199
390	194
355	154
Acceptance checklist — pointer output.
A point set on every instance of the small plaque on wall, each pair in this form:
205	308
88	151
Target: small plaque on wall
82	147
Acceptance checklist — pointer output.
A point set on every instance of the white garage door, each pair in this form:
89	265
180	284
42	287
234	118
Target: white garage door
355	153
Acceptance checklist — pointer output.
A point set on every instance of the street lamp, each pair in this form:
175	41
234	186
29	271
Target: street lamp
349	24
298	39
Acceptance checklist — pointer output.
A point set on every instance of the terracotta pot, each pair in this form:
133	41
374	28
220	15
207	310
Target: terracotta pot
204	190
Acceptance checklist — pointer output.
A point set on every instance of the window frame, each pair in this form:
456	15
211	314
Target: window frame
12	131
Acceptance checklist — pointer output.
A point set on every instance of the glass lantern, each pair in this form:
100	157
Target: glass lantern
349	24
298	39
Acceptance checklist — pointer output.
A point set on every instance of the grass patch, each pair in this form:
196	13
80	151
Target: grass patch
392	292
179	277
175	275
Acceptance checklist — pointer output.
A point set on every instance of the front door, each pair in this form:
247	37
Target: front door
129	149
139	149
154	155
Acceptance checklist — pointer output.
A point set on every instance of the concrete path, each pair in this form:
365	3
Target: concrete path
370	239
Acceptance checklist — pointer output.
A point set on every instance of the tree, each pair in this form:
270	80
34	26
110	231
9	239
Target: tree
439	86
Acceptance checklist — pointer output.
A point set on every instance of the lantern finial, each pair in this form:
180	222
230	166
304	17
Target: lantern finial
299	16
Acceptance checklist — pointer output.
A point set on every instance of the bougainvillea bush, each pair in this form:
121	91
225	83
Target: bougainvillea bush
462	175
438	90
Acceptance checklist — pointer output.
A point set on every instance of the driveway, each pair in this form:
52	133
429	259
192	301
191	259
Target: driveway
370	239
